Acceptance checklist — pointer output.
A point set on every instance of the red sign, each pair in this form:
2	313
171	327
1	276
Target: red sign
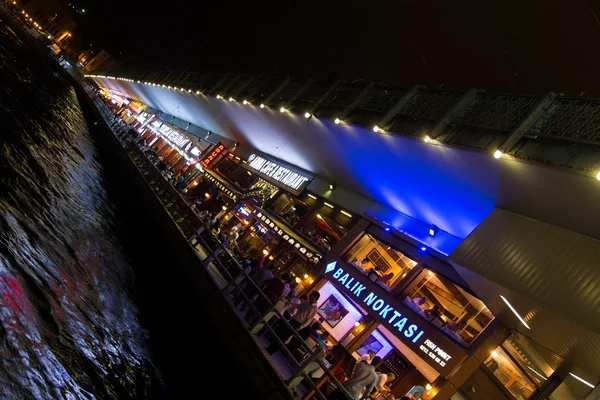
216	152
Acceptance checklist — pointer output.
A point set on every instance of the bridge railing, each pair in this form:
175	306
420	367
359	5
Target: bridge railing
229	274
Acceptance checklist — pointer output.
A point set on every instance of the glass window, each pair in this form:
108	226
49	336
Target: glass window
524	353
381	262
509	375
458	313
316	228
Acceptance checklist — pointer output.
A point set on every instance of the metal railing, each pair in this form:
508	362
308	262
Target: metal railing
235	279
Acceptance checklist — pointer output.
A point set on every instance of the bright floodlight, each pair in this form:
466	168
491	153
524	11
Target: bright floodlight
337	120
282	109
427	139
262	106
218	96
375	128
245	102
307	115
498	153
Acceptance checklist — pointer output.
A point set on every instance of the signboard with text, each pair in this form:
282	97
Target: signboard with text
286	177
412	330
214	154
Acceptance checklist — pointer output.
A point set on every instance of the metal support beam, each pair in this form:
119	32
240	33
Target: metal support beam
540	109
296	95
243	86
410	93
276	91
218	84
229	84
321	99
460	105
253	94
356	100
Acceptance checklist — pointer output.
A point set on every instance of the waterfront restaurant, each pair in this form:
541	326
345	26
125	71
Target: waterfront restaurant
276	212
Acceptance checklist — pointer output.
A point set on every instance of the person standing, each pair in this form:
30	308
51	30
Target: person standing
272	290
304	315
363	379
367	357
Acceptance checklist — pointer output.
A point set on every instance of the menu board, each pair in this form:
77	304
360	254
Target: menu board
394	363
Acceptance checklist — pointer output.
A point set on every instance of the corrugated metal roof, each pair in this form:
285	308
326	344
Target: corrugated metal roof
558	268
557	338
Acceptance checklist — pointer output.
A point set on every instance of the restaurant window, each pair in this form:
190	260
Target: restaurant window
458	313
509	374
380	261
235	173
320	230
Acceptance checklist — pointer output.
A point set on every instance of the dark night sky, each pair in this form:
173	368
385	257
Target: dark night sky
552	44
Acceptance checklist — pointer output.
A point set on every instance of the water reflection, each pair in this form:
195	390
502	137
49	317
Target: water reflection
70	329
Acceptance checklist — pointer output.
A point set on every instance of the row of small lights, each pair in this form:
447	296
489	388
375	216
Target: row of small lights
427	139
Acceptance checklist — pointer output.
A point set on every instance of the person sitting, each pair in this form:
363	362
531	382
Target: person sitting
432	313
365	265
387	279
420	302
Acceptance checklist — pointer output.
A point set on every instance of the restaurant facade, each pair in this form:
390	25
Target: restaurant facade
381	291
381	288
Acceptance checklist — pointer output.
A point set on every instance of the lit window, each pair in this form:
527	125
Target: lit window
380	261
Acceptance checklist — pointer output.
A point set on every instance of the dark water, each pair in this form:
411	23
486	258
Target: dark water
68	325
90	307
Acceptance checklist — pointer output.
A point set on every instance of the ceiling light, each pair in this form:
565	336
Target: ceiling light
331	186
231	99
282	109
427	139
262	106
423	248
197	92
375	128
357	324
494	353
514	311
307	115
218	96
328	205
387	228
498	154
598	176
245	102
337	120
433	230
428	387
347	214
581	380
312	196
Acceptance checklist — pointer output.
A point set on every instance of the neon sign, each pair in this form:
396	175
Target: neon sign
216	152
278	173
403	322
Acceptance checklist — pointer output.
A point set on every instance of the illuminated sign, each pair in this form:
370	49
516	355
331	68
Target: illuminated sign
216	152
171	135
195	151
279	174
415	332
